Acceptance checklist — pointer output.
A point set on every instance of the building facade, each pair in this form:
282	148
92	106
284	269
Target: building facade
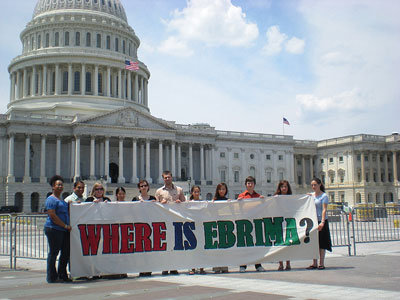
76	111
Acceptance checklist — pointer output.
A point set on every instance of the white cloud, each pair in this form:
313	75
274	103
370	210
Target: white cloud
212	22
176	47
277	41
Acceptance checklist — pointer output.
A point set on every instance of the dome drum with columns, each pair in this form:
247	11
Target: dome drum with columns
75	111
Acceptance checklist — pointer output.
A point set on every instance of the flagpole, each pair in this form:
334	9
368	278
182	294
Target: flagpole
283	127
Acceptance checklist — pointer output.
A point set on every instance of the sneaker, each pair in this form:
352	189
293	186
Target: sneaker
260	269
242	269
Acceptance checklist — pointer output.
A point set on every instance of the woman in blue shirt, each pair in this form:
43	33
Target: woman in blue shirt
324	236
57	230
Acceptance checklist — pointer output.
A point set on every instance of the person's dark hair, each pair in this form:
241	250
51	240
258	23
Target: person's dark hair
216	196
78	182
250	179
141	182
119	189
54	179
192	190
282	182
166	172
318	181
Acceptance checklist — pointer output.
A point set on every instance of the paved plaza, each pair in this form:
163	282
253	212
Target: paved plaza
373	274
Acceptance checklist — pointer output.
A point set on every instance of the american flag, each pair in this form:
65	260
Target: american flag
285	121
130	65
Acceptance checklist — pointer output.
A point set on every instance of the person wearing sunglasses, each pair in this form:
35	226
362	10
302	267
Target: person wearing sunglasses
97	194
144	188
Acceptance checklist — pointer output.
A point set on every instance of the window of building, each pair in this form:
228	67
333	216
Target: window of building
341	159
381	158
359	157
66	38
39	41
130	49
236	176
322	161
342	199
123	46
366	158
280	175
88	82
236	155
299	180
323	178
359	176
116	45
269	177
374	158
77	39
280	157
47	45
183	154
253	171
342	178
100	84
367	176
222	154
268	157
77	81
223	175
331	197
331	160
88	39
108	42
65	82
98	40
251	156
298	162
375	177
52	83
56	39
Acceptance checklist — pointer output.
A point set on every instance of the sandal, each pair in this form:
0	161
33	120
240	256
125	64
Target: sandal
288	268
280	268
312	267
321	268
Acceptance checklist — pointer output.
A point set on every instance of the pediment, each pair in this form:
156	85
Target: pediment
128	117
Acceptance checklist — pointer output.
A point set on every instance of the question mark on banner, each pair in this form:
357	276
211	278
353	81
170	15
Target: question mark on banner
310	225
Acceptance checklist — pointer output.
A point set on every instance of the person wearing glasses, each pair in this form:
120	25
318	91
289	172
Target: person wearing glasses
97	194
144	188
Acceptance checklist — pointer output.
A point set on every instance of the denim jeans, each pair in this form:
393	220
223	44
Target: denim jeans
58	242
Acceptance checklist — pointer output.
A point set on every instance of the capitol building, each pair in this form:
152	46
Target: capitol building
76	111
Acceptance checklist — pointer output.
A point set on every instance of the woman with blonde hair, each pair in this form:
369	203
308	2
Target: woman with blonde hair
97	194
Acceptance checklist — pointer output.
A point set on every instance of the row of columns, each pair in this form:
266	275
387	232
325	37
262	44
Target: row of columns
173	164
303	168
378	166
125	83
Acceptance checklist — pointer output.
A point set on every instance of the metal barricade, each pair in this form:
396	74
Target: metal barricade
339	226
6	235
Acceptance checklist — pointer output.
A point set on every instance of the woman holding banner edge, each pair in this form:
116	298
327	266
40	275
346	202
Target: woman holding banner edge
324	236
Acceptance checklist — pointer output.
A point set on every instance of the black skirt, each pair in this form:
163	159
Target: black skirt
324	237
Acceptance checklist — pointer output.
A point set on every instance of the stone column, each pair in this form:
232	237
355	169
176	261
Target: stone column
173	165
179	171
136	88
167	152
311	167
148	176
289	164
229	171
190	171
303	171
96	80
73	148
141	88
244	173
70	80
1	158
58	155
25	84
370	170
33	81
362	167
378	161
119	83
43	178
44	81
295	170
12	89
77	158
395	177
146	92
18	85
83	79
92	157
385	158
101	158
27	177
107	158
202	178
142	160
10	176
57	80
129	96
108	90
134	178
121	178
160	161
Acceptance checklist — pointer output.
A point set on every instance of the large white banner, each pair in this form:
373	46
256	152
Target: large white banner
127	237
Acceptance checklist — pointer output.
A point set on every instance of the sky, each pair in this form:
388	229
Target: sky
331	68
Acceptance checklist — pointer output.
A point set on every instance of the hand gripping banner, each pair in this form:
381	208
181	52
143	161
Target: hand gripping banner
128	237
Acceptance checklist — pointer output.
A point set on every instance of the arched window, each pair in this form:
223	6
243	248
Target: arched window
56	39
100	84
47	45
98	40
77	39
88	39
358	198
88	87
65	82
108	42
34	202
77	81
66	38
253	171
19	201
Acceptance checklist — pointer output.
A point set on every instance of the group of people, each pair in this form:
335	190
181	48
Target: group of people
57	228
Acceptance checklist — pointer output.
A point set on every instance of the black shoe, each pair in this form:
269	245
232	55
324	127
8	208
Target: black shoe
164	273
174	272
146	274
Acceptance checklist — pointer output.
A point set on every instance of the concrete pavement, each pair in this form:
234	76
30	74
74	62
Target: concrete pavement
373	274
